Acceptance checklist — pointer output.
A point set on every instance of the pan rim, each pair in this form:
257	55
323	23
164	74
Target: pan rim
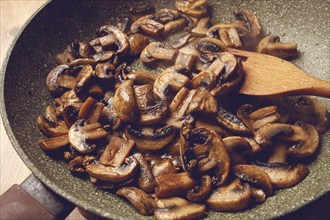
51	184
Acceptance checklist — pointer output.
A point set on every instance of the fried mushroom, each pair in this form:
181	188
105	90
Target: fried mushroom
271	45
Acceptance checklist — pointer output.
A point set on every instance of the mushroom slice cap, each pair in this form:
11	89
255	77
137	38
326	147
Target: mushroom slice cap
203	102
178	208
268	133
146	178
271	45
54	143
306	139
251	21
284	175
137	43
231	122
255	176
124	102
170	79
210	45
116	151
234	196
79	133
148	26
150	139
122	41
201	191
58	80
238	147
173	184
141	201
114	174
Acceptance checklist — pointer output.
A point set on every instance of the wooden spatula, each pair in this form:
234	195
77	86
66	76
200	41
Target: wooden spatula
268	75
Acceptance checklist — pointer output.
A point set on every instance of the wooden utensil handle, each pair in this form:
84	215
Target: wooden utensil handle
33	200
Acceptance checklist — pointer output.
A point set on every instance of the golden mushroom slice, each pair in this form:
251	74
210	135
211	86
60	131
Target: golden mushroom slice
255	176
149	138
54	143
155	51
141	201
81	134
283	175
124	102
271	45
194	8
117	174
233	196
178	208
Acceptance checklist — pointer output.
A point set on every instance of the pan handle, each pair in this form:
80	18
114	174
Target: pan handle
33	200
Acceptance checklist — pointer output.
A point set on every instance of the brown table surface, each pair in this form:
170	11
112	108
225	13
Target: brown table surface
13	15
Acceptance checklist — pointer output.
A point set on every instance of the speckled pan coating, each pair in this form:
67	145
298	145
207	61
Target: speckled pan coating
24	95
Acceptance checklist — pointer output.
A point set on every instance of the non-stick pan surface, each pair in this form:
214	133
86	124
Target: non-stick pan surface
24	95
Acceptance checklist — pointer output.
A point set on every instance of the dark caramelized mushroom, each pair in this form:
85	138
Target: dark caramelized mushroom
155	51
251	21
148	26
231	122
201	191
137	43
210	45
194	8
146	178
54	143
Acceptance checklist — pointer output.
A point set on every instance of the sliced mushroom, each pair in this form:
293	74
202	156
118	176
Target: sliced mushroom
105	72
173	184
146	178
58	79
201	27
141	201
178	208
150	139
81	49
238	148
268	133
255	176
164	167
278	153
83	81
210	152
231	122
194	8
124	102
50	125
201	191
258	195
114	174
211	124
151	110
251	21
310	110
210	45
186	60
305	138
76	165
53	143
142	78
165	15
179	106
233	196
148	26
181	41
109	115
202	102
156	51
137	43
208	78
91	110
271	45
80	133
116	152
121	40
171	79
214	31
256	119
173	26
283	175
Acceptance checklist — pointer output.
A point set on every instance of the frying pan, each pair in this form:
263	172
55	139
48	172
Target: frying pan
24	95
